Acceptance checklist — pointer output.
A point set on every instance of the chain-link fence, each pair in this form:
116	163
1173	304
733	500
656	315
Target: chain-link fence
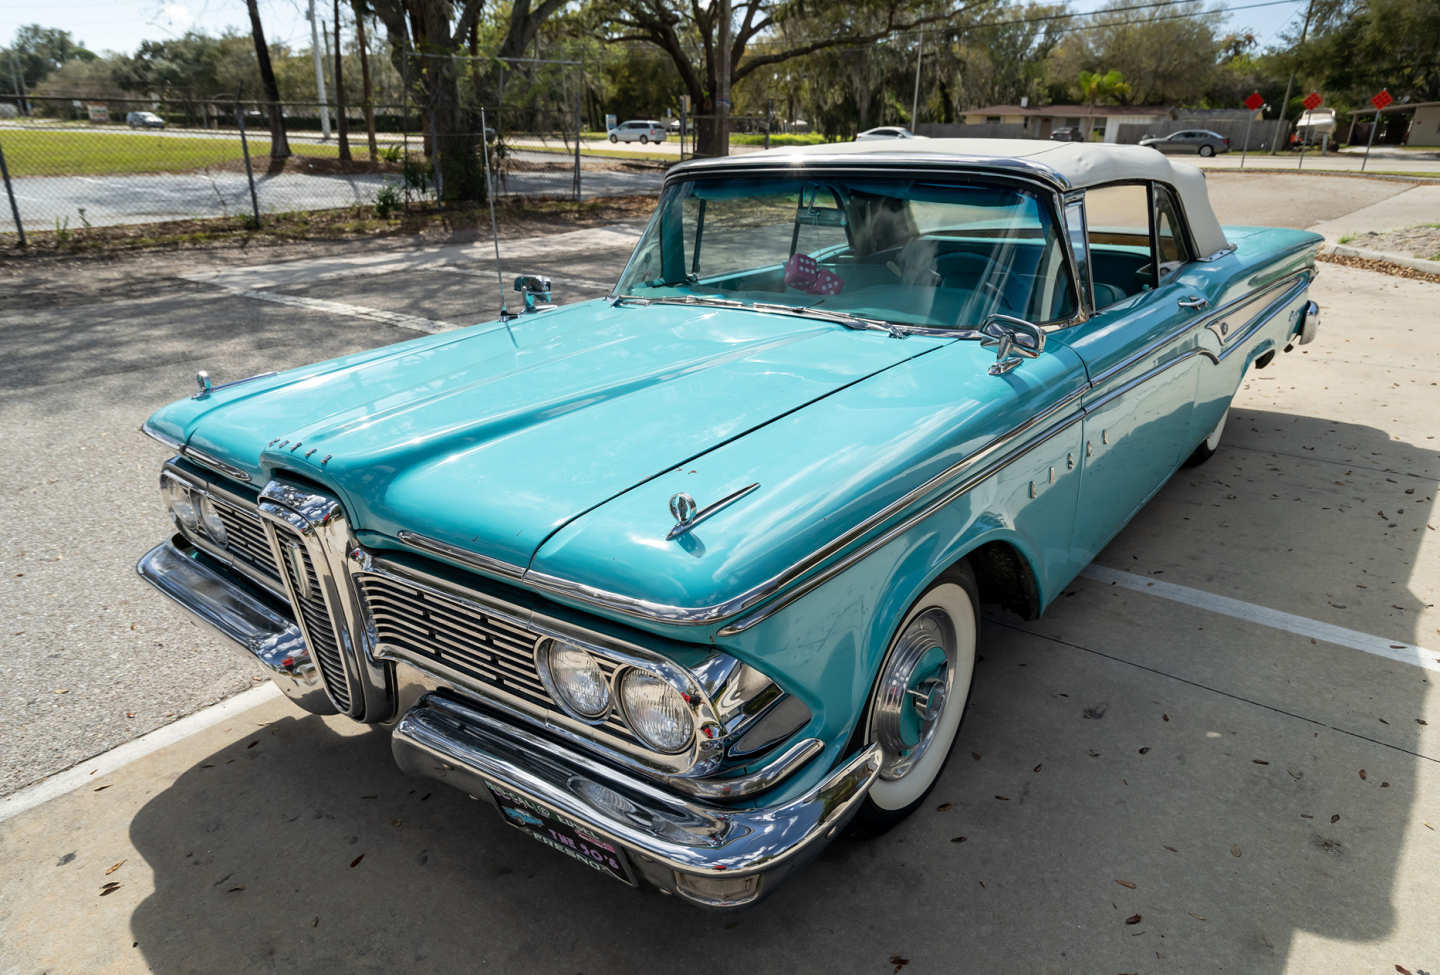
88	160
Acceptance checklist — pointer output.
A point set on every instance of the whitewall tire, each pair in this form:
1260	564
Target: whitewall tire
1210	444
919	697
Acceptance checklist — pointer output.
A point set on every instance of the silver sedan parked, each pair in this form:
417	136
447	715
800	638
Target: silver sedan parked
1201	141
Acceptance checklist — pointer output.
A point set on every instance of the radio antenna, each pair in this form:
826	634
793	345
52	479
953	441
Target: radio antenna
505	315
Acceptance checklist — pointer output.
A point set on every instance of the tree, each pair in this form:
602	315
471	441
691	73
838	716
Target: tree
424	36
1355	49
279	143
38	51
367	97
694	36
1167	54
1096	87
342	124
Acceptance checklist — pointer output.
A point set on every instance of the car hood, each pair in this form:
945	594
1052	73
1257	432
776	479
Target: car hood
493	438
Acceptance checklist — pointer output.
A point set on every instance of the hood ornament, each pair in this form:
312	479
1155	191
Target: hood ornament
683	509
202	379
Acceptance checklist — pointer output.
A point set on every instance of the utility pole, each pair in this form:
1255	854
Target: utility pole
1285	104
915	102
319	74
722	96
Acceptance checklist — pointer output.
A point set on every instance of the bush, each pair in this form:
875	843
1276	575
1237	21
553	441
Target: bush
387	201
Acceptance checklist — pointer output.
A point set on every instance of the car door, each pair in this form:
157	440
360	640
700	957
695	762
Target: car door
1139	350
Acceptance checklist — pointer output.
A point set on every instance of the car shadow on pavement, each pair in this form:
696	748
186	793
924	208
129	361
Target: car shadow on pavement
1139	786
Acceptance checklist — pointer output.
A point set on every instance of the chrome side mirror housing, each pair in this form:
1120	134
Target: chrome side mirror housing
532	286
1013	339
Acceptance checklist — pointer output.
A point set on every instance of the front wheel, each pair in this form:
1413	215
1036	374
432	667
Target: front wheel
614	137
919	698
1207	150
644	139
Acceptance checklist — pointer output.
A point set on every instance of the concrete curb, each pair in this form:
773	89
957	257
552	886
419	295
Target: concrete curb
1404	260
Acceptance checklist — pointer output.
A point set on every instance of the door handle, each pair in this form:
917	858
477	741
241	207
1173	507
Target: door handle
1194	303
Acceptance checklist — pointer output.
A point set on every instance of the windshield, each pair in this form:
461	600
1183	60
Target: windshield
905	251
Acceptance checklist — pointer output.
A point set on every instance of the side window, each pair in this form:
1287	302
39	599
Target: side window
1169	233
1117	222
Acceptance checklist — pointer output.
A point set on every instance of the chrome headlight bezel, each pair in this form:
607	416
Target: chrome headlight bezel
552	675
180	496
629	678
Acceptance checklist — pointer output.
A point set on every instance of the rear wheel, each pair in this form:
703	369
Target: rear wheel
1210	444
919	698
1207	150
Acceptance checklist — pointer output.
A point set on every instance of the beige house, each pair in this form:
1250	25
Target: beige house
1103	121
1425	125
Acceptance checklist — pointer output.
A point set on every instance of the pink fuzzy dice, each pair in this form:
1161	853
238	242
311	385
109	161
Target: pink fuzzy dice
804	274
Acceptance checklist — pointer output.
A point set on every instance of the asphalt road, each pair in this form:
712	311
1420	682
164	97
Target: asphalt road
1131	753
48	201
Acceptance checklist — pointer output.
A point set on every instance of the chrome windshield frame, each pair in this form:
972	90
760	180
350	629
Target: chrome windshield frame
1051	189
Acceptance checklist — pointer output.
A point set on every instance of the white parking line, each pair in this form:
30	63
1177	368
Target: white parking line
116	758
1397	650
399	320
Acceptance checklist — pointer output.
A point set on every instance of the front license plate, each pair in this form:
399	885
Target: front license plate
561	834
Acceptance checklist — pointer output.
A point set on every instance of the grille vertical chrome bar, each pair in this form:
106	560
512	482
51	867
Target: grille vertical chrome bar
310	542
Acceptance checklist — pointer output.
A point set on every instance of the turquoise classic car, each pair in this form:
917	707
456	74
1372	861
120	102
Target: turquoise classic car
687	580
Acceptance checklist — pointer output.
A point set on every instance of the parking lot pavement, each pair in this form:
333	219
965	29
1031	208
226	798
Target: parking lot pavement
1258	780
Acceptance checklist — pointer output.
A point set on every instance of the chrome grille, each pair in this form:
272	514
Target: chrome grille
463	638
319	633
245	536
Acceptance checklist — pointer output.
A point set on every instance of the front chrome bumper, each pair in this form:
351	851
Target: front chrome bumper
242	613
713	856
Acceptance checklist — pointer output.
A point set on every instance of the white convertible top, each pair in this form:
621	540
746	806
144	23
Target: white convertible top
1073	164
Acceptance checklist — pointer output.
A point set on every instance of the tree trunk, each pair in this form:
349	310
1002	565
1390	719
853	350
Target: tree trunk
367	92
279	144
341	125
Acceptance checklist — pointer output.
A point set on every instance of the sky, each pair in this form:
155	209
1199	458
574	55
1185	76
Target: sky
120	25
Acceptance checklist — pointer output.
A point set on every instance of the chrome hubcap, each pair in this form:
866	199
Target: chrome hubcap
913	692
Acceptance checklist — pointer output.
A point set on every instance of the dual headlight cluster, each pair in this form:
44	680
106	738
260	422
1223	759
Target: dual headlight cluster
651	706
192	509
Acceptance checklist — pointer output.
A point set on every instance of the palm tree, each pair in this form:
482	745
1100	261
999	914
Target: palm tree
1095	86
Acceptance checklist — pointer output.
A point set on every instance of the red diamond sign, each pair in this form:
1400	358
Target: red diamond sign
1255	101
1382	99
1312	101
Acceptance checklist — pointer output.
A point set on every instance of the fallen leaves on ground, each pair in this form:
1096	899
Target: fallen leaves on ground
899	961
1125	883
957	839
1363	776
109	888
356	862
1133	919
1234	851
1196	916
113	867
943	806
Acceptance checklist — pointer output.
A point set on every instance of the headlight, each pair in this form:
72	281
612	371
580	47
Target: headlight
576	680
656	712
210	520
181	503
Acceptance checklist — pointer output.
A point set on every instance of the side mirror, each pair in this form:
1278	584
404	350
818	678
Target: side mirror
533	286
1013	339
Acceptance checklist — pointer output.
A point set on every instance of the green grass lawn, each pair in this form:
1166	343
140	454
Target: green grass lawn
82	152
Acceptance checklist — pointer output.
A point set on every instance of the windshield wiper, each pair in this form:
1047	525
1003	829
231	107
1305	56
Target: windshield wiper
705	300
839	317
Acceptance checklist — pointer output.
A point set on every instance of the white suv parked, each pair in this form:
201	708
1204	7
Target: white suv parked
644	131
